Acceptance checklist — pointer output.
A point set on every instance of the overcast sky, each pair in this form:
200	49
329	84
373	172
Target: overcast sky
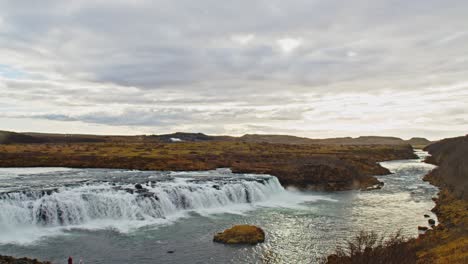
316	68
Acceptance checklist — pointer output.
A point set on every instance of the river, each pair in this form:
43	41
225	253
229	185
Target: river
122	216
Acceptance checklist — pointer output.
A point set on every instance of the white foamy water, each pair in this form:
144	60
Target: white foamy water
99	214
63	199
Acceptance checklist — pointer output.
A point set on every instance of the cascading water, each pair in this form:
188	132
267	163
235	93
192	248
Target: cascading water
71	198
106	217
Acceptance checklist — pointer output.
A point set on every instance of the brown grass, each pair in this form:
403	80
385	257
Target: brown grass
448	242
241	234
328	167
370	248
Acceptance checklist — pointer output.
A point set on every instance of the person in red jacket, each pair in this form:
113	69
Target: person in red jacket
70	260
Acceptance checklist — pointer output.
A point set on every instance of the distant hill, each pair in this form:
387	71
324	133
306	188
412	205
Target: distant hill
64	138
277	139
22	138
7	137
284	139
418	142
193	137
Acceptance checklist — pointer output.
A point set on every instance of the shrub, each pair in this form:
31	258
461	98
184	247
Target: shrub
370	248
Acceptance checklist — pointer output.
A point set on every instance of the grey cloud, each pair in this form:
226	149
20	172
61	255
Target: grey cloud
166	63
178	42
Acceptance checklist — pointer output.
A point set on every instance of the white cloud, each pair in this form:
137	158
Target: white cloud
289	44
243	39
351	54
453	36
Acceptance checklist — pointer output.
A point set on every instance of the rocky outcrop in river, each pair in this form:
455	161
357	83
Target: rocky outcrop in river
241	234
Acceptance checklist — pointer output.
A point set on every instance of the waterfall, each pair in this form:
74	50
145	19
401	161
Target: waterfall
152	200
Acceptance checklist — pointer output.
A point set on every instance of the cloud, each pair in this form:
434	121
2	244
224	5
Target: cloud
243	39
302	67
289	44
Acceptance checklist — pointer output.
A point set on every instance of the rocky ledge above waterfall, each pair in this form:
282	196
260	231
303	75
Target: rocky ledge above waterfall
125	196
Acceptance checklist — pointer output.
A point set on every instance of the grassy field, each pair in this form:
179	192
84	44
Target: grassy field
327	167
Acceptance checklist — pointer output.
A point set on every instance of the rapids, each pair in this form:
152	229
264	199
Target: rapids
105	216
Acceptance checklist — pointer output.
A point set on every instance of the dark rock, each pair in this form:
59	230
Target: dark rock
247	195
12	260
262	181
170	251
138	186
129	190
48	192
216	187
146	194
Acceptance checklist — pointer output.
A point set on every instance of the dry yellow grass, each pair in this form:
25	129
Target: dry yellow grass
329	167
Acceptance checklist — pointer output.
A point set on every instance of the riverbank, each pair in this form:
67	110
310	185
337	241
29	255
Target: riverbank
315	167
448	241
12	260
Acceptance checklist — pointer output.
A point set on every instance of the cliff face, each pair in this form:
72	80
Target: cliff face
451	155
448	242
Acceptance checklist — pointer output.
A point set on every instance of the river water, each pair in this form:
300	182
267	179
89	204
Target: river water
121	216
